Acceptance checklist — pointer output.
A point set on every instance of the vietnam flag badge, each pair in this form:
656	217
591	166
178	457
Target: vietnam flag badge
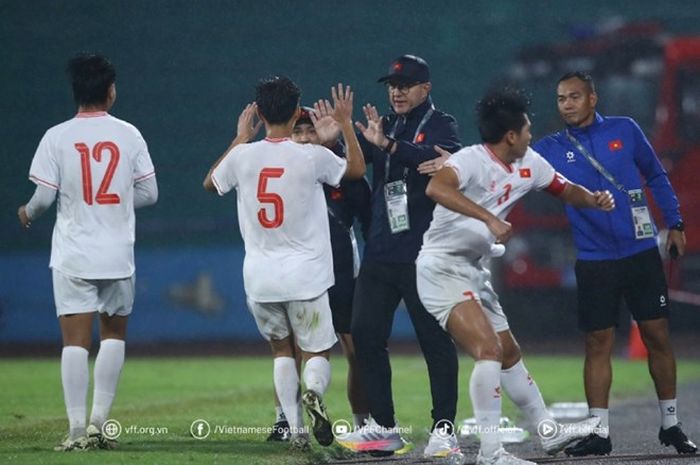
615	145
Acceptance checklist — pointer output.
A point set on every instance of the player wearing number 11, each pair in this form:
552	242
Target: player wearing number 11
288	265
100	168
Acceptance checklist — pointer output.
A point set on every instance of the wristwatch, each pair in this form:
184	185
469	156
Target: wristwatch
680	226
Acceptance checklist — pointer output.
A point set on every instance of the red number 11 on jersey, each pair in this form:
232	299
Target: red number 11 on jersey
269	197
102	197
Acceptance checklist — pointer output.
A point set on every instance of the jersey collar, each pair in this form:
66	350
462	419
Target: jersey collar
91	114
508	168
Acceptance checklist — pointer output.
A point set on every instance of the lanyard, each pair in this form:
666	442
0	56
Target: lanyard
392	133
596	164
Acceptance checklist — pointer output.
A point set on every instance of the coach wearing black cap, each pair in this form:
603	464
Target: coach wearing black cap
401	212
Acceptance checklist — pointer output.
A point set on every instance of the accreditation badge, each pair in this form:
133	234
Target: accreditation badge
641	219
397	206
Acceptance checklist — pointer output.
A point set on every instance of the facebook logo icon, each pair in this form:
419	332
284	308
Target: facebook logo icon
200	429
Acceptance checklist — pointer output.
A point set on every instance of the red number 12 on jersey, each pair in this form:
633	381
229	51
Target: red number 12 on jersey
102	197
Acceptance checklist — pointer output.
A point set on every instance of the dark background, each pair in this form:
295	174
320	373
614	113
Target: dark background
187	68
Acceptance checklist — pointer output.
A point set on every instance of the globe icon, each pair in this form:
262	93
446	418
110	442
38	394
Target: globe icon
111	429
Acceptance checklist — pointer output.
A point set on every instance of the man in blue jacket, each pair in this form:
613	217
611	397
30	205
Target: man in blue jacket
617	254
396	145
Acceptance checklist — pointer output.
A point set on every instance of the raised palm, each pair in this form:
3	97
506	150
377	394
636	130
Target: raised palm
374	131
327	128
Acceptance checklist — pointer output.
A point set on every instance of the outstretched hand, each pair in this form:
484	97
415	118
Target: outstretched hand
374	131
342	102
430	167
327	128
247	127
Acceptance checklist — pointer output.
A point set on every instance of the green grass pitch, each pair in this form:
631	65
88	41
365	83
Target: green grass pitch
159	398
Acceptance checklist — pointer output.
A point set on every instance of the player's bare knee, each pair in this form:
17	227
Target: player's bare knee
77	338
83	342
282	347
600	343
511	357
113	327
76	329
655	335
511	349
491	349
308	355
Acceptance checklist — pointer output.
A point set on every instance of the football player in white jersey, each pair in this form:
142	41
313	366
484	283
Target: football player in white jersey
288	265
345	204
475	190
100	168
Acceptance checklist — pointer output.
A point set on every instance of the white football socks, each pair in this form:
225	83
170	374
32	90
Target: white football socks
286	380
75	377
603	429
668	410
317	374
485	393
523	391
108	367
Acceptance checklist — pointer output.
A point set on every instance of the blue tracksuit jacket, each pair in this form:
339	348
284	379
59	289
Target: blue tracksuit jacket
621	147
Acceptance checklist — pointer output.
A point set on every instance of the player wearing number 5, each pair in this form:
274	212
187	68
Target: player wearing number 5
101	170
288	265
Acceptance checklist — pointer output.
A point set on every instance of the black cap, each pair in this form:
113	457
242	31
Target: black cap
304	116
407	69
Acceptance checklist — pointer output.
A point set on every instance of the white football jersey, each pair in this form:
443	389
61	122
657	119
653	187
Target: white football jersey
495	186
282	215
93	160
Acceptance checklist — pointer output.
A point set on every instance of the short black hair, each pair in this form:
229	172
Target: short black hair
500	111
277	98
582	75
91	76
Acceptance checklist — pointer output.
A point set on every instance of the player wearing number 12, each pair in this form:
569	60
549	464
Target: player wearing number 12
288	265
101	169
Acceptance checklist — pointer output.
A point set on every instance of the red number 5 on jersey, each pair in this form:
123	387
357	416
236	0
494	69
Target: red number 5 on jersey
102	197
269	197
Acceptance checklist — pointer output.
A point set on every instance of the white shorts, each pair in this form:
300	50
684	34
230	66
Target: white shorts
310	321
77	295
443	282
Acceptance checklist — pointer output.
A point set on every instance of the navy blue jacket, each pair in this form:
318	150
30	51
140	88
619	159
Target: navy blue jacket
440	129
621	147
